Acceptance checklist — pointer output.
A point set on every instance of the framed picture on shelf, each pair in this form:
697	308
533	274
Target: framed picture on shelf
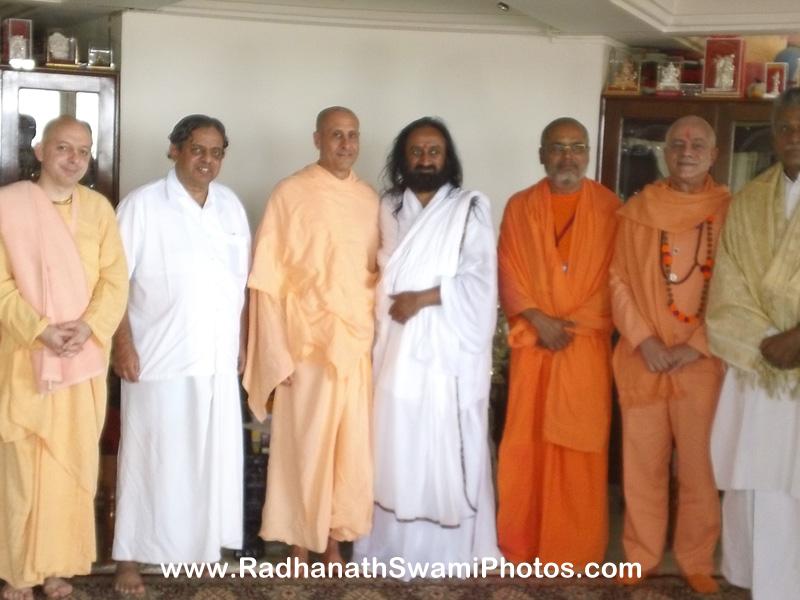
775	80
17	42
668	81
62	49
724	67
624	73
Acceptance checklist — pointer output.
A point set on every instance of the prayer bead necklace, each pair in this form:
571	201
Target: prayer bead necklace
706	269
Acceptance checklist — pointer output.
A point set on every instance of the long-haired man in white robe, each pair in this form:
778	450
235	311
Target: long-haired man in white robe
436	311
179	352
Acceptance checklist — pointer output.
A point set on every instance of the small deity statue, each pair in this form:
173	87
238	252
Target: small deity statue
723	71
775	84
670	77
625	77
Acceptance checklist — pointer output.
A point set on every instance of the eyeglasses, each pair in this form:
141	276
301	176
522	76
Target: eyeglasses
577	148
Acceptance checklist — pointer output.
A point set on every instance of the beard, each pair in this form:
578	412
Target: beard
425	180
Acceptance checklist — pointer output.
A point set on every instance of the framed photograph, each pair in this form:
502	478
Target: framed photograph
668	82
724	67
777	73
624	73
62	49
100	58
17	40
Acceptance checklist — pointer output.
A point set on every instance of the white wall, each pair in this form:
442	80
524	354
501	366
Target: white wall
267	81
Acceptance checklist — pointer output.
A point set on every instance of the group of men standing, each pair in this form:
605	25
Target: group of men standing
372	321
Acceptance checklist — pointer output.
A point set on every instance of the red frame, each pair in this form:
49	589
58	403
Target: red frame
723	46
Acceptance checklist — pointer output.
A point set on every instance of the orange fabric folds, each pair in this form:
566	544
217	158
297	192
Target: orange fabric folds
577	401
313	280
639	292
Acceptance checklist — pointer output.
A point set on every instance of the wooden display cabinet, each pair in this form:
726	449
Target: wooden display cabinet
633	128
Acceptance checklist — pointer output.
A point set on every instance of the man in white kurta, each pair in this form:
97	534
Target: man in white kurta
752	319
436	312
187	241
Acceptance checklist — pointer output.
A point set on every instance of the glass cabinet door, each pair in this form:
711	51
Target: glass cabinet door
752	153
641	157
31	99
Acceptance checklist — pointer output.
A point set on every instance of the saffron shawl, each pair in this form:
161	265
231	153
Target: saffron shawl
578	401
755	291
50	277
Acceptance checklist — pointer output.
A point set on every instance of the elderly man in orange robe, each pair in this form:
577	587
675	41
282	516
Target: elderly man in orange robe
311	327
63	288
667	380
555	247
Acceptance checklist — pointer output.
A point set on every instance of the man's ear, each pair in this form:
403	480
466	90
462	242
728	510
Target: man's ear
316	139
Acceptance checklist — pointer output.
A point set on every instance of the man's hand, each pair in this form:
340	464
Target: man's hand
657	356
55	338
125	360
407	304
682	355
554	333
79	333
782	350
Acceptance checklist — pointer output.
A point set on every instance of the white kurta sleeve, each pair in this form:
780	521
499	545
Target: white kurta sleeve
469	299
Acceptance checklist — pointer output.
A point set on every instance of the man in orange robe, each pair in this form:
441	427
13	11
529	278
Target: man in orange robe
555	247
667	380
311	327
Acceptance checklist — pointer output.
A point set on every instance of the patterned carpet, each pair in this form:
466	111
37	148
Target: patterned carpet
98	587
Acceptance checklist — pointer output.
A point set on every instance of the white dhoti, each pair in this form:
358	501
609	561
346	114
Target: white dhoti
755	447
179	489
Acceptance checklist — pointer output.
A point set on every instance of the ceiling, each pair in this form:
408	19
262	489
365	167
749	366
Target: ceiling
634	22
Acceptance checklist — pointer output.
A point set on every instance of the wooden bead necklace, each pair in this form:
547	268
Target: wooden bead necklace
706	269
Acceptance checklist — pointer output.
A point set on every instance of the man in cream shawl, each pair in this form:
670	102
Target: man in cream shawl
752	320
436	311
63	287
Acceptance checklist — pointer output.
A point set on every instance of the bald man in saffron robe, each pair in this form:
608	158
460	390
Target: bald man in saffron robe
311	328
555	247
63	288
668	381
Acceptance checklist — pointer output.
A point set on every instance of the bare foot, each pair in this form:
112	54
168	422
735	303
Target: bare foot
702	584
300	553
332	553
127	580
55	587
12	593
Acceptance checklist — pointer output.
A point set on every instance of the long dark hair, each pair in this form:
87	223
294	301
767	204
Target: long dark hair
396	169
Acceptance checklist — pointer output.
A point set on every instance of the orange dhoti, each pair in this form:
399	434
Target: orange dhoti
553	498
317	466
648	434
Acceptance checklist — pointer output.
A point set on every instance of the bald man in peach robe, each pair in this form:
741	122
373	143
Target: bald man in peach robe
63	288
667	380
555	247
311	328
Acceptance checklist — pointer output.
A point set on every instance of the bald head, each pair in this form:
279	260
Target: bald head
63	120
696	122
326	113
561	121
